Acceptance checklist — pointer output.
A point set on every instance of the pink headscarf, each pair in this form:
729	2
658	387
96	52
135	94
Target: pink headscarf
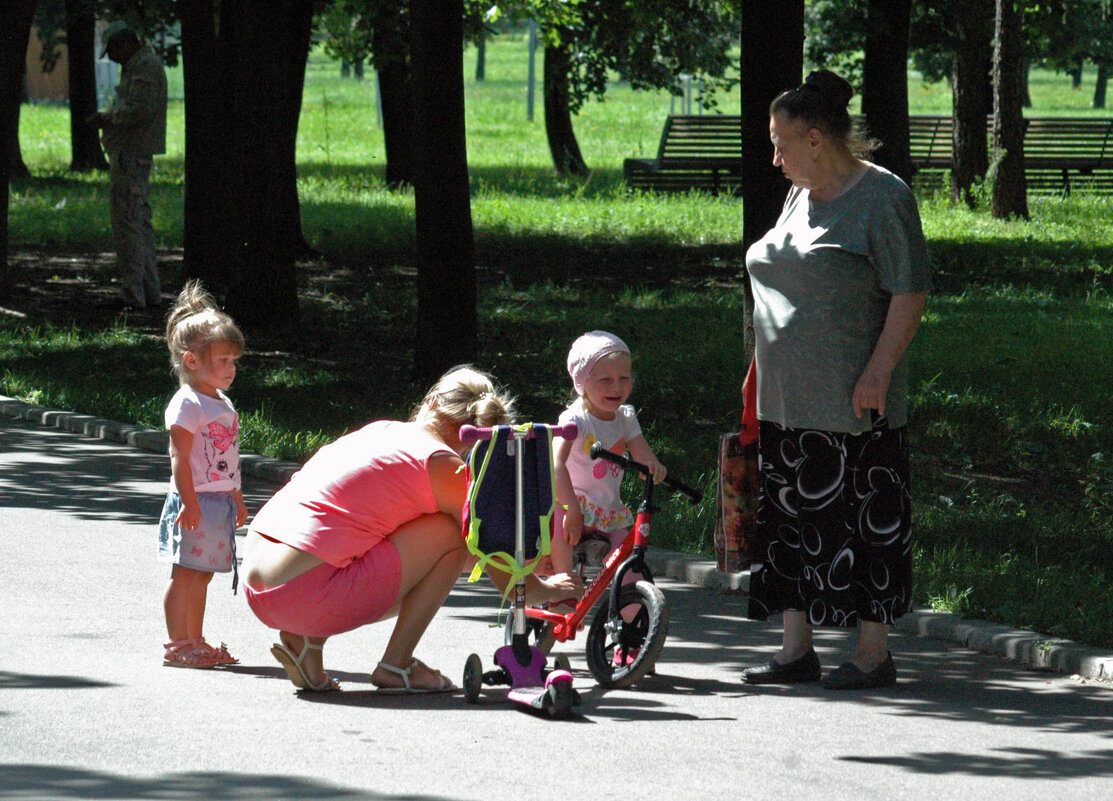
587	350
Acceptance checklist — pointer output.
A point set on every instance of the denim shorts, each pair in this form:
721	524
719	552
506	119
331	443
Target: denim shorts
211	547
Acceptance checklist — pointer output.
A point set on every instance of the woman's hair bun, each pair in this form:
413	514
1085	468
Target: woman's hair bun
835	90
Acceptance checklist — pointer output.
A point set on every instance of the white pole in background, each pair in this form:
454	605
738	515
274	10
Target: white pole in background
532	71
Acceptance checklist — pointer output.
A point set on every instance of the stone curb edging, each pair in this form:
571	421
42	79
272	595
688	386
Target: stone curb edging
1025	647
1029	648
147	439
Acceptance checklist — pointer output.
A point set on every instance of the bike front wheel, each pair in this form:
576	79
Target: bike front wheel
623	645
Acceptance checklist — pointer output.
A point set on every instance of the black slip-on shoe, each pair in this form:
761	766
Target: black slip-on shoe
806	668
849	676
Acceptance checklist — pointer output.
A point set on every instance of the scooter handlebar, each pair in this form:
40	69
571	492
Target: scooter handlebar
469	434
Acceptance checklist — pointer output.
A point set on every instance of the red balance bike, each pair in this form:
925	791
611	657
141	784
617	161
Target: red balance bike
631	619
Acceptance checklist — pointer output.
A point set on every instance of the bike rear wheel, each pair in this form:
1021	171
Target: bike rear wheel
639	642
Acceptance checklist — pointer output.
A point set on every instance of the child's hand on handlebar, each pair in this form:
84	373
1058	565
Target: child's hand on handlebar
657	470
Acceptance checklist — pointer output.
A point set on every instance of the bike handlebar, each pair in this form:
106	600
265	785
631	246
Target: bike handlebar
626	463
469	434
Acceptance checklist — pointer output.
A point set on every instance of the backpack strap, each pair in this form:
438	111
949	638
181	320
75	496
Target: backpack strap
479	464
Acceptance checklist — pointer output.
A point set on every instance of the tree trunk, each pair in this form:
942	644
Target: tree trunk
446	279
1100	85
207	44
294	54
563	146
1025	94
885	83
263	288
1010	190
396	96
84	141
481	58
17	16
971	98
5	187
15	30
772	61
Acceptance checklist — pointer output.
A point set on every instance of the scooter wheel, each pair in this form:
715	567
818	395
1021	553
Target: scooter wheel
473	678
561	699
639	640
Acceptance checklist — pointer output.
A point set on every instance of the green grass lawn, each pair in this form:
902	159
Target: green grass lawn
1011	421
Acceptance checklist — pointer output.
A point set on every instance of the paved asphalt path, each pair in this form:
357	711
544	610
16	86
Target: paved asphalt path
88	711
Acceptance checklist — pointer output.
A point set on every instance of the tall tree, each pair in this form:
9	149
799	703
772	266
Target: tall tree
379	31
244	68
446	278
15	30
390	53
885	83
971	98
263	288
1010	193
80	36
208	43
557	91
772	61
18	15
294	56
5	186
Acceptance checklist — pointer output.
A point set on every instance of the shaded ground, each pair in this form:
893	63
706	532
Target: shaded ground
80	289
65	288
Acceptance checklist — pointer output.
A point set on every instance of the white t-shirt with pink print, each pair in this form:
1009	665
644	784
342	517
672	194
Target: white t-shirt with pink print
598	482
215	425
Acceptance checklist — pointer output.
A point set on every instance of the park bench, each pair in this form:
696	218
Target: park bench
931	141
696	152
1060	153
1063	153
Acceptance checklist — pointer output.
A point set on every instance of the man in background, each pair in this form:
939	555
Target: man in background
133	131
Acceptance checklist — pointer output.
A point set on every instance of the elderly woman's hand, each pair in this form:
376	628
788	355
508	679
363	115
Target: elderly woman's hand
901	322
871	390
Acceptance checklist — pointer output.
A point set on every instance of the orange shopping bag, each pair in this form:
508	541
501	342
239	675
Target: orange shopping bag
738	485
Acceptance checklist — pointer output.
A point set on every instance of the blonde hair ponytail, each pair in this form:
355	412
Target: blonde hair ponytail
193	324
463	396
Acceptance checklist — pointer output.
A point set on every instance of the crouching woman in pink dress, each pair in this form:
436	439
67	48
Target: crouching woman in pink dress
370	528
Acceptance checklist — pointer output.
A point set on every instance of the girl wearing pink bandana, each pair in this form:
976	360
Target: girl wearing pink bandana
588	489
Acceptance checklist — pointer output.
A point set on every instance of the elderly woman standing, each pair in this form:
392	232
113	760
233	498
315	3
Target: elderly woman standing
370	529
839	285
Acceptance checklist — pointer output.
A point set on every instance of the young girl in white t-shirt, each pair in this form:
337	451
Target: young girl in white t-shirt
589	489
204	506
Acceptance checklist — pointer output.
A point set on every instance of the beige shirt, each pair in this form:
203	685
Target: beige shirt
137	114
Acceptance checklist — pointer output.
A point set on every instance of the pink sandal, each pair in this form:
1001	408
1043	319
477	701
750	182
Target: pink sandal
187	654
220	655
